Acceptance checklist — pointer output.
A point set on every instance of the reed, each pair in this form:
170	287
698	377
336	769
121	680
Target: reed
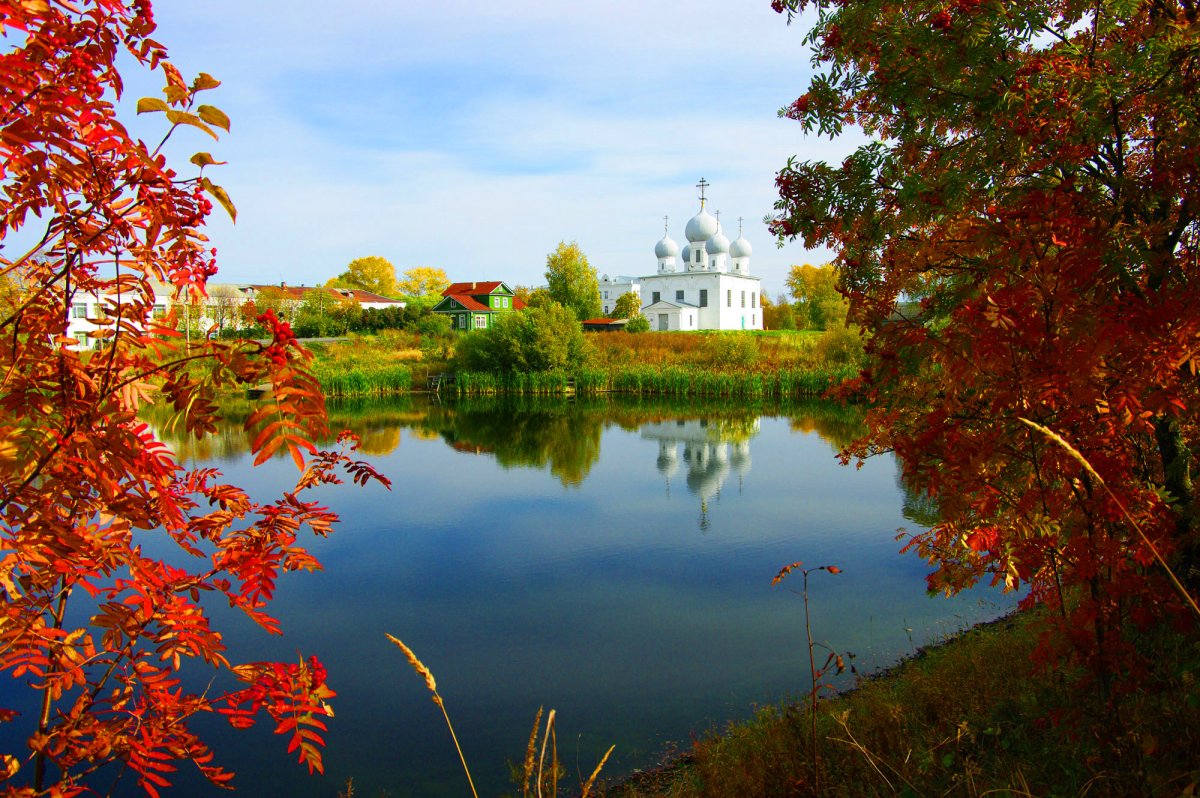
338	379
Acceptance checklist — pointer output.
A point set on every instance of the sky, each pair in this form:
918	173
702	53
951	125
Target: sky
475	137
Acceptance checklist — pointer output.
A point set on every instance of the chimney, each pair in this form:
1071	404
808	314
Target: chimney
472	285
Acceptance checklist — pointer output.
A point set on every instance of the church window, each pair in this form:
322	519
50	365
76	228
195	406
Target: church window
729	298
606	295
656	296
606	310
743	299
679	296
753	299
703	297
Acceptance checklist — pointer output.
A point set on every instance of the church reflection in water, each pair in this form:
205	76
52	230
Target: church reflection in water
712	451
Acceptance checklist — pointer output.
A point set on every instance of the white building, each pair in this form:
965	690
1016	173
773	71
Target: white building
707	286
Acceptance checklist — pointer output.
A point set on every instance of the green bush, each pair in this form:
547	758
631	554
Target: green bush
546	338
637	324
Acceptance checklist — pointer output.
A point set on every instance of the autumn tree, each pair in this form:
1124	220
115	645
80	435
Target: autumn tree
277	300
1031	177
372	273
572	281
777	315
627	306
99	630
817	301
421	281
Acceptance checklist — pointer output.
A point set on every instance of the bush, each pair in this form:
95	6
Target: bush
841	345
544	338
729	351
637	324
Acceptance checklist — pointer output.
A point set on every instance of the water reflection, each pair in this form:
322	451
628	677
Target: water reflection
559	434
707	454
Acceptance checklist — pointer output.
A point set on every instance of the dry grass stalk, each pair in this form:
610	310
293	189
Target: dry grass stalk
1075	453
531	752
587	787
550	735
431	683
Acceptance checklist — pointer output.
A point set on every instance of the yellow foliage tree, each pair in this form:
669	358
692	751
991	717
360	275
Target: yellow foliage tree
424	281
372	273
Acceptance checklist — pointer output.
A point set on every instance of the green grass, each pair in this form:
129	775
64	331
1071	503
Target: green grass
966	718
339	379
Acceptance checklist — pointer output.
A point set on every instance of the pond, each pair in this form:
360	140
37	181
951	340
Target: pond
608	559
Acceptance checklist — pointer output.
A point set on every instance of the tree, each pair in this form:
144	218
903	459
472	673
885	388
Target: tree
627	306
98	629
223	304
545	338
421	281
777	316
817	300
372	273
572	282
326	313
1032	179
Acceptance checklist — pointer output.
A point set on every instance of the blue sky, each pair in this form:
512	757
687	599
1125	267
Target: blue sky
475	137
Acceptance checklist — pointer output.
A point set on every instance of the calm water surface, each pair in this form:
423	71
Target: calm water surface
611	560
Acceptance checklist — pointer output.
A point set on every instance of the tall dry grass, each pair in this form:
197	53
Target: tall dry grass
540	777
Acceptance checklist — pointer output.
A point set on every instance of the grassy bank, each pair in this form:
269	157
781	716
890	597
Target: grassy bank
803	364
967	718
679	381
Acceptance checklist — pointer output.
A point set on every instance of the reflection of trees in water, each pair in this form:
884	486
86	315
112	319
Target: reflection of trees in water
561	434
523	434
838	424
919	507
376	423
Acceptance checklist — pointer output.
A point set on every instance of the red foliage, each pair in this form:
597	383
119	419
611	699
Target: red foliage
82	481
1022	243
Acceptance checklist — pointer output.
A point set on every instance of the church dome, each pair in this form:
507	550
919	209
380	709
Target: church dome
717	244
741	248
687	253
666	248
701	227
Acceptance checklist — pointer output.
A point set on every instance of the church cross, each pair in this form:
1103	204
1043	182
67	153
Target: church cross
666	219
739	227
703	184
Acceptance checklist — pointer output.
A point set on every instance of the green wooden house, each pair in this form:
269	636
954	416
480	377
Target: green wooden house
475	306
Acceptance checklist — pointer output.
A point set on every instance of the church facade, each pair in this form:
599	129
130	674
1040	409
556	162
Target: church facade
705	286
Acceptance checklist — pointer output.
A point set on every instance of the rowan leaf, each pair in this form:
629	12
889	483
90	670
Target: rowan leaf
148	105
214	116
220	195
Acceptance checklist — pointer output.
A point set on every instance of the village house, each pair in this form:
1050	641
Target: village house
476	305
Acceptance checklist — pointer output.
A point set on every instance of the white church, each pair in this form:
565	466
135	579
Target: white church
707	286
